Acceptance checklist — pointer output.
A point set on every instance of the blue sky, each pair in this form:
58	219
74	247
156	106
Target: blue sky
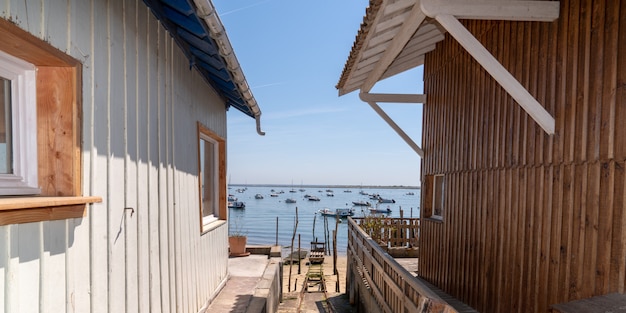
292	54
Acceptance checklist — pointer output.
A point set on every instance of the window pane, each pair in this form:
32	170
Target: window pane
207	175
5	127
438	196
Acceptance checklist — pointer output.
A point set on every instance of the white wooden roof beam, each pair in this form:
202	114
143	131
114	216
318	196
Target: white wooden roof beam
371	100
541	11
393	97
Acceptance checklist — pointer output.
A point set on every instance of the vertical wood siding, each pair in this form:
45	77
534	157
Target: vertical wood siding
140	106
530	219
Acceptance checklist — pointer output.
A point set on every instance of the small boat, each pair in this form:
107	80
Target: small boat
363	193
236	205
378	210
361	203
337	212
330	194
232	198
295	256
258	196
382	200
273	194
290	200
410	193
314	198
347	190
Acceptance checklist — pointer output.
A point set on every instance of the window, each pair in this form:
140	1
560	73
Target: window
438	197
40	118
433	195
211	176
18	111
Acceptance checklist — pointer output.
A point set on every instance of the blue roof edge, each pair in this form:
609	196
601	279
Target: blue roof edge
196	28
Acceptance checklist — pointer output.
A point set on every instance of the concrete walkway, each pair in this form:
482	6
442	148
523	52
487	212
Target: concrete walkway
245	273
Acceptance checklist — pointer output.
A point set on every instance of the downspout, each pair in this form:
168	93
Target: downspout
206	11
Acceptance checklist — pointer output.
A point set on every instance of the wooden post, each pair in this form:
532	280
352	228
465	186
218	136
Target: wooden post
299	271
335	271
293	236
277	230
314	218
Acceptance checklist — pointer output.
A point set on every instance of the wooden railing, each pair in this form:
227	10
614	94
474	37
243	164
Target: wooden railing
377	283
392	232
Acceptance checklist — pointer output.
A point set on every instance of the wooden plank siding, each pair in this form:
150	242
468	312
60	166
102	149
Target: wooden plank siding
530	219
140	105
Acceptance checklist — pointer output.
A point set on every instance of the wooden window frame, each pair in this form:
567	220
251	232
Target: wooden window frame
430	190
59	171
439	189
220	143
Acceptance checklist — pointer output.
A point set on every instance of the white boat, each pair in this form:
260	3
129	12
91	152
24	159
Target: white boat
273	194
379	210
232	198
236	205
336	212
382	200
330	194
290	200
361	203
258	196
314	198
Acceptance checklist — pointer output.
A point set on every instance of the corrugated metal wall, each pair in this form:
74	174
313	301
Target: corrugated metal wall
140	106
531	219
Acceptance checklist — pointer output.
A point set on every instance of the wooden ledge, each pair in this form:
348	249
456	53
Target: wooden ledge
16	210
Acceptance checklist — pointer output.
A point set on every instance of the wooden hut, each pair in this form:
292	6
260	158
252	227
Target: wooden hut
524	142
112	154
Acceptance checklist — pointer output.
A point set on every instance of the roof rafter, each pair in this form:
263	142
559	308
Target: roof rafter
409	27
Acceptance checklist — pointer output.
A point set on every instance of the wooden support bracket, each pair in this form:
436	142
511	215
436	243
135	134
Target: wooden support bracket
365	97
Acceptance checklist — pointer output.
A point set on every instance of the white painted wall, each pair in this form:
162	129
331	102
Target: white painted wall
140	107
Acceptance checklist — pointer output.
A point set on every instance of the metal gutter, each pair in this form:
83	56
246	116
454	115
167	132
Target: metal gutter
206	11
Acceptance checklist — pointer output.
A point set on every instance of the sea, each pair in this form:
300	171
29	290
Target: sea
272	218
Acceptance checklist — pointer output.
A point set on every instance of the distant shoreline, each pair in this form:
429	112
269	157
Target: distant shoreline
326	186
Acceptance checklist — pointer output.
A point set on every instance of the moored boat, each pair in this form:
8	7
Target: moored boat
290	200
343	212
236	205
361	203
258	196
379	210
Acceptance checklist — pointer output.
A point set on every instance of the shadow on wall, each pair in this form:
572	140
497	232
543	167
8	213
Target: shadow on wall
24	240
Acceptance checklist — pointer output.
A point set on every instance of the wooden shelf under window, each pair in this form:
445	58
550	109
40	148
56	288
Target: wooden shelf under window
15	210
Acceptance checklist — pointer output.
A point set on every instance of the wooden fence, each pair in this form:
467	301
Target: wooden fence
376	282
392	232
